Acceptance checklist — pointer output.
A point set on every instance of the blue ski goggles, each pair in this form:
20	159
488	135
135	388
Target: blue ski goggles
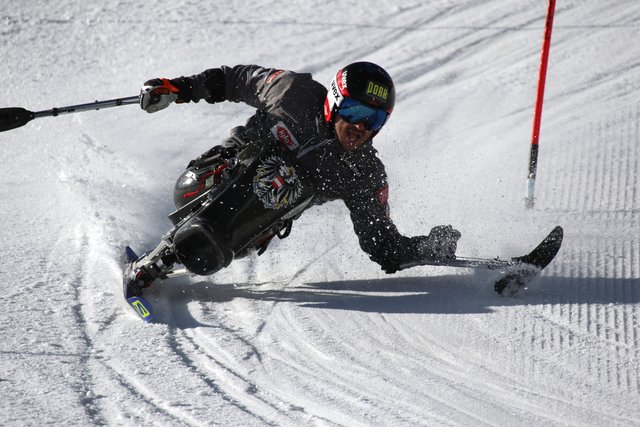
355	111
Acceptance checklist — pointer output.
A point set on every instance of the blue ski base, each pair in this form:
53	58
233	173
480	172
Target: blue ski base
142	307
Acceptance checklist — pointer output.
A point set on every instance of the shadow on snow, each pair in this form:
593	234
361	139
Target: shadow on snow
448	294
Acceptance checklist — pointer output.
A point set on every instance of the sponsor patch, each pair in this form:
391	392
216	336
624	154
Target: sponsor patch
274	76
276	184
284	135
383	198
377	91
342	83
383	195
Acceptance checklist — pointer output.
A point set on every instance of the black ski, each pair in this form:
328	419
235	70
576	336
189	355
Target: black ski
519	271
529	266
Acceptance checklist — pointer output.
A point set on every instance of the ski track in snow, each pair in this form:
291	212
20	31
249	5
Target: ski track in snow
312	333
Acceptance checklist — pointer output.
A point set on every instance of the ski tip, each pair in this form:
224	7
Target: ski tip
546	251
554	238
142	307
131	255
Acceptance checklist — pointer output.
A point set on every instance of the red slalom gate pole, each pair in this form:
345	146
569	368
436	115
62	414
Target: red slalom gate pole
537	118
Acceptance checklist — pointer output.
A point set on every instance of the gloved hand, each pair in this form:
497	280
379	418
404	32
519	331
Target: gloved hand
441	242
157	94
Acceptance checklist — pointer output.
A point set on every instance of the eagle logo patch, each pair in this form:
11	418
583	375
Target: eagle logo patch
276	184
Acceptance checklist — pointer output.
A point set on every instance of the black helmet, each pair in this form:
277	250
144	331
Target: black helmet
365	82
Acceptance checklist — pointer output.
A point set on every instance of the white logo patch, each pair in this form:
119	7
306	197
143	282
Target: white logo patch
284	135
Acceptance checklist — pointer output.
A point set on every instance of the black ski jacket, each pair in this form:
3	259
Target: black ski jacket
290	110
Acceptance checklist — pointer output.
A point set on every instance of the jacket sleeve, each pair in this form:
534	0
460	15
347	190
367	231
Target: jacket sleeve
377	234
251	84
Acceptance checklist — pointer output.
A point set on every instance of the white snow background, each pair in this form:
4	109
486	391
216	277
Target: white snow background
312	332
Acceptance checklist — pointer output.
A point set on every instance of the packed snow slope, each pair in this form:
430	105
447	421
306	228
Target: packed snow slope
312	332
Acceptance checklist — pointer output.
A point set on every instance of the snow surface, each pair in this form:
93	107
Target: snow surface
313	333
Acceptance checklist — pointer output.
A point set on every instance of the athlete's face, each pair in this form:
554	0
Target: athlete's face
351	135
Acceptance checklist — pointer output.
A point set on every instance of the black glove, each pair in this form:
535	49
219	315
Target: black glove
441	242
157	94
